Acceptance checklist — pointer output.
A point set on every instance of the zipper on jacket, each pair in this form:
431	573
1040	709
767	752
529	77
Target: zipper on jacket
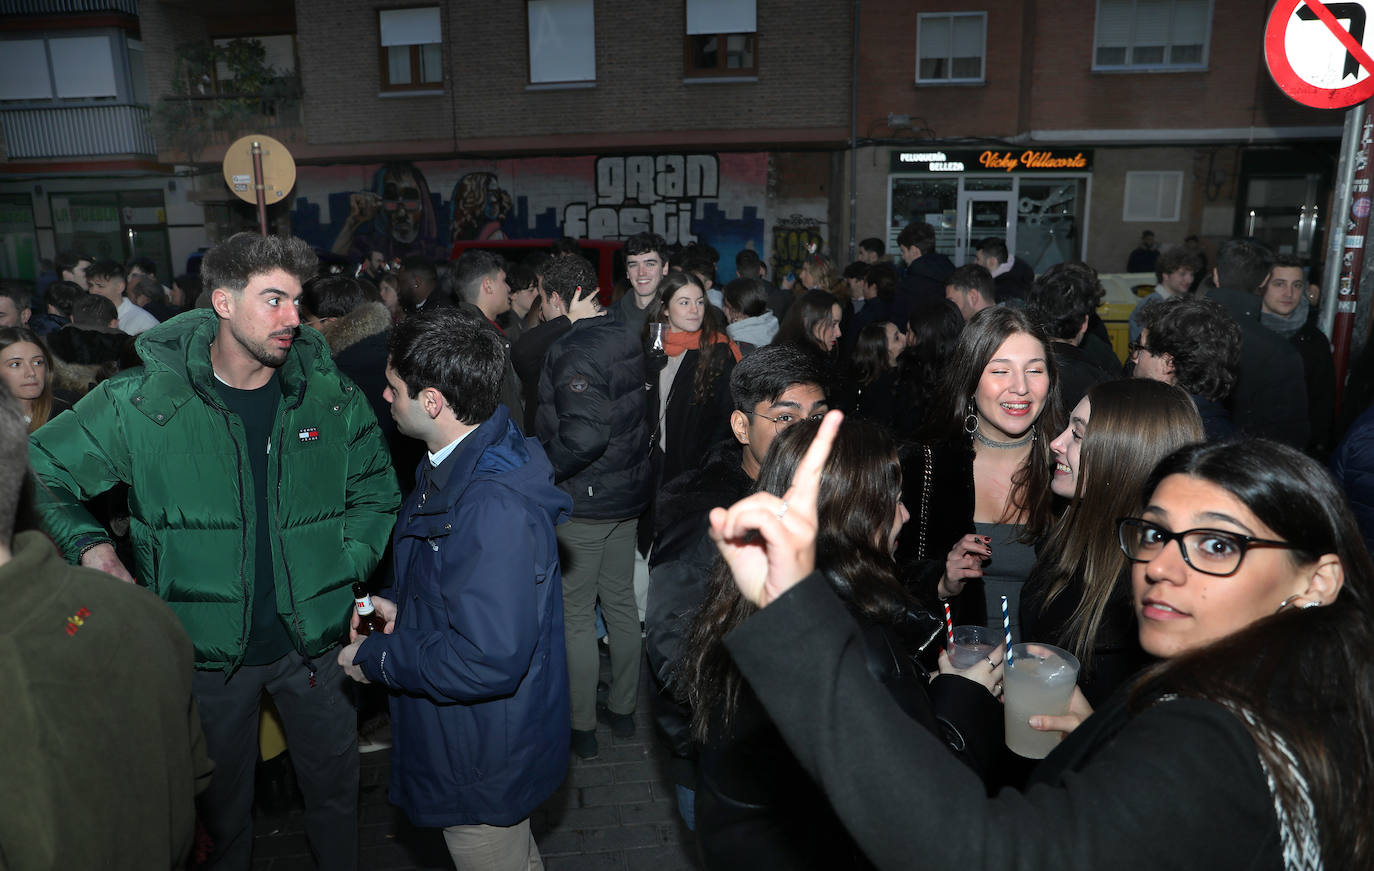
276	527
243	551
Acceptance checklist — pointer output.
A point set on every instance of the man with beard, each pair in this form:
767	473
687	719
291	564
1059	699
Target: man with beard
260	491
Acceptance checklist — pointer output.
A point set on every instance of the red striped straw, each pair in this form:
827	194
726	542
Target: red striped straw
949	625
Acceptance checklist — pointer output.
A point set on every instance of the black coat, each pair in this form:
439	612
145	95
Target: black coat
527	356
1116	656
1077	374
923	281
679	574
690	428
1269	398
756	806
591	418
1177	785
1016	282
949	500
1319	374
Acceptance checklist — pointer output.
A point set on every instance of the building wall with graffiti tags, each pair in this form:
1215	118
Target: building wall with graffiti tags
403	208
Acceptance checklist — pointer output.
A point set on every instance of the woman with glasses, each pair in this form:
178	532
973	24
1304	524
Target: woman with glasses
756	807
1079	595
1249	746
979	483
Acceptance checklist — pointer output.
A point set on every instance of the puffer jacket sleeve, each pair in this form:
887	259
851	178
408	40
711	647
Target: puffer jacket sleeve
581	397
77	456
373	496
478	642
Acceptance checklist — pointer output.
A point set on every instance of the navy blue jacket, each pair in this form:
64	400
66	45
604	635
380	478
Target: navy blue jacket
1352	465
476	662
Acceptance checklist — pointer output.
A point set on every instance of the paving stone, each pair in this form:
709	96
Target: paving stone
648	812
629	772
591	775
558	842
614	861
667	858
621	837
617	793
577	818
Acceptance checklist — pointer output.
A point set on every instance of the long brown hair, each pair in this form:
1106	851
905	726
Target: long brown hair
1029	495
1132	425
42	406
713	351
860	486
1302	680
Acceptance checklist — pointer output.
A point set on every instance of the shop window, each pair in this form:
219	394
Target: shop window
562	40
722	38
1152	196
951	48
1152	34
412	58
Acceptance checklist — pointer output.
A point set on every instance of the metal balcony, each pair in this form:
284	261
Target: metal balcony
67	7
77	131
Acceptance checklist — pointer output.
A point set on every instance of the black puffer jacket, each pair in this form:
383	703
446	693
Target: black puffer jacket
591	418
1269	399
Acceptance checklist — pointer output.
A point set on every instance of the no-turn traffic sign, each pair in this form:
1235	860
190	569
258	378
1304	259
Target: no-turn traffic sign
1322	53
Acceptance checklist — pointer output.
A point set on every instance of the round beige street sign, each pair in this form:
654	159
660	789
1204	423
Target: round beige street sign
278	169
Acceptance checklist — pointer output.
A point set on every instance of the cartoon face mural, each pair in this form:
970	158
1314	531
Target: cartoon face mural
479	206
395	217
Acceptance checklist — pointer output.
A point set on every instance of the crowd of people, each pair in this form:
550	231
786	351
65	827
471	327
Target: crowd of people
786	495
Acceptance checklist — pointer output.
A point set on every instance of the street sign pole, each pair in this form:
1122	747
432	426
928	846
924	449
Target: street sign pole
259	188
1355	220
1340	205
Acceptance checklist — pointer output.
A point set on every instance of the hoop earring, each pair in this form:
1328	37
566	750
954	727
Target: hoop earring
970	418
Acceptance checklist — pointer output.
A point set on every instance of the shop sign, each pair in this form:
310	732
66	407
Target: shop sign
1023	160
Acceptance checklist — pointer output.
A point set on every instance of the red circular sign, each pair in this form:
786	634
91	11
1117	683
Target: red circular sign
1314	15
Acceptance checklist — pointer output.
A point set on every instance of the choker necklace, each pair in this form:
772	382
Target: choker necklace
1025	439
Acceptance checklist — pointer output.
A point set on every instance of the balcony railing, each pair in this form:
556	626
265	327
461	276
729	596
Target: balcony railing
67	7
77	131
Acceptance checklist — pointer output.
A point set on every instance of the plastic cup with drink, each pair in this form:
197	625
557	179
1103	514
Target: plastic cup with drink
1039	679
970	644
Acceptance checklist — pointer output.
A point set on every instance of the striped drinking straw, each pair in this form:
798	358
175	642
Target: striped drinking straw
949	625
1006	628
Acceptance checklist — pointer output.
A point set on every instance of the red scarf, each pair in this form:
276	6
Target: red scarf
675	343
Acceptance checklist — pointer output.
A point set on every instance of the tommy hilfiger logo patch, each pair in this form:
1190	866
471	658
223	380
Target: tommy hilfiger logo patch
310	434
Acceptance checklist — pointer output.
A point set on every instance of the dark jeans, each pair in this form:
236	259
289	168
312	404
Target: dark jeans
322	735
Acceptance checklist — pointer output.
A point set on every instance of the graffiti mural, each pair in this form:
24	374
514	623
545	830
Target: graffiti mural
399	208
793	237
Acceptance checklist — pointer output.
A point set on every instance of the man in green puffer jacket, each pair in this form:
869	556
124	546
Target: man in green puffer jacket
260	490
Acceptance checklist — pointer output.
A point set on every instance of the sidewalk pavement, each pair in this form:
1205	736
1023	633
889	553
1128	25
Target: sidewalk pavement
617	812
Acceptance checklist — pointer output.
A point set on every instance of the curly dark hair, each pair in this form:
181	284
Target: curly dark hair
1062	296
231	264
1202	340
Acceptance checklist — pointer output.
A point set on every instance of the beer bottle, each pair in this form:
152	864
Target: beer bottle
369	620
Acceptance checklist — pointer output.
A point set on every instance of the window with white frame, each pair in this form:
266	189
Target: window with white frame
411	46
562	40
1152	34
722	38
951	47
1152	196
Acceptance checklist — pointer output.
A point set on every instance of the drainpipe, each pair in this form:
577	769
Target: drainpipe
854	142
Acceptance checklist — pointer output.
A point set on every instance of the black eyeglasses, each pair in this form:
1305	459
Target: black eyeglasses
1137	347
1210	551
786	419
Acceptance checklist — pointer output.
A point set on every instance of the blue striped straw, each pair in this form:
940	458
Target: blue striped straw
1006	627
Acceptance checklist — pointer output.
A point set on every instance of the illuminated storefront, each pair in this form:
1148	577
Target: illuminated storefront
1034	198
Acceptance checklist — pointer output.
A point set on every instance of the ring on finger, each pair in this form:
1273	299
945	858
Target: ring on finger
783	510
991	664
